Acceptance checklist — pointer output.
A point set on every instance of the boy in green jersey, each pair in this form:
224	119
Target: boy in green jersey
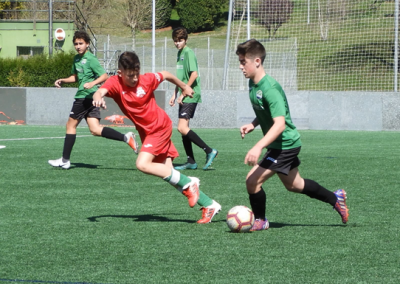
86	70
281	139
187	72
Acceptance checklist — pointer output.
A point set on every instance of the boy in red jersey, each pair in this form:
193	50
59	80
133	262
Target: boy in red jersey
134	94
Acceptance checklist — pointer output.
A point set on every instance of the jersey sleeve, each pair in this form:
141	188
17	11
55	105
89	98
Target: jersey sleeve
73	69
276	103
191	63
156	79
111	85
97	69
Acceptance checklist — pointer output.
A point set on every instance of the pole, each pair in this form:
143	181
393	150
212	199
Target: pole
228	36
248	19
153	51
396	43
50	27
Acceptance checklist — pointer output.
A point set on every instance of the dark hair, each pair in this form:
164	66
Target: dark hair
179	33
251	48
81	35
129	60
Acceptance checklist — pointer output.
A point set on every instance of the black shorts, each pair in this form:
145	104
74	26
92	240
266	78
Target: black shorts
84	108
281	161
186	110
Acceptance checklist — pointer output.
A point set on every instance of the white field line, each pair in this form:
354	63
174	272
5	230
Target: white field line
41	138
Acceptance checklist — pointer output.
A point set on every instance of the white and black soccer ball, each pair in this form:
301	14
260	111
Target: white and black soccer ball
240	219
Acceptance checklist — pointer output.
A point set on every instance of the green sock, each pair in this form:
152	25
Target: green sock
204	200
177	179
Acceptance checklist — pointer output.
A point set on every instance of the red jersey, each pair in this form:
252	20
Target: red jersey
139	103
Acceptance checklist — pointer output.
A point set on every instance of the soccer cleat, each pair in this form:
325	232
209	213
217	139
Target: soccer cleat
260	225
131	141
210	158
341	206
192	191
209	212
187	166
60	163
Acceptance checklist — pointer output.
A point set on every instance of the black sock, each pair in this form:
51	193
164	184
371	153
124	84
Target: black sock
68	145
187	144
198	141
110	133
258	203
314	190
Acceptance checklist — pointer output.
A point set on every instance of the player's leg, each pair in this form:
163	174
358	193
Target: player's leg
186	112
146	162
183	128
295	183
93	120
257	197
69	141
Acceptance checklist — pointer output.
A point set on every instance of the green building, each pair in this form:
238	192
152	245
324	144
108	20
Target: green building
27	37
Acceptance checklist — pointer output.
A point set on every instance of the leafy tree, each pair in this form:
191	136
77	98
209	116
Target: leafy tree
200	15
273	13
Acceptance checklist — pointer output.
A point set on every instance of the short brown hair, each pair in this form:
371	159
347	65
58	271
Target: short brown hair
179	33
251	48
81	35
129	60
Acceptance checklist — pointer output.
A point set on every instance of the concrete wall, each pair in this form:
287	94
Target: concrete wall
371	111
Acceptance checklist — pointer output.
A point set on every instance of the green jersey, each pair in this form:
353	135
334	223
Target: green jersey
87	68
186	63
269	101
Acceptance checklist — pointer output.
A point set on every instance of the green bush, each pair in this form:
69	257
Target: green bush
200	15
36	71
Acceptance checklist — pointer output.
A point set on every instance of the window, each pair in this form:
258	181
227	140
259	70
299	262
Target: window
26	51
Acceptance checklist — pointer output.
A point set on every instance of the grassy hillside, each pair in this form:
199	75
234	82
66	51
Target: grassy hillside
356	55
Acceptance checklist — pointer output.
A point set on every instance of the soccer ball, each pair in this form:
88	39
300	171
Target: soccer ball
240	219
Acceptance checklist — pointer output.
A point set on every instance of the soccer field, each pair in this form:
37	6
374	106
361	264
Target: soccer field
103	221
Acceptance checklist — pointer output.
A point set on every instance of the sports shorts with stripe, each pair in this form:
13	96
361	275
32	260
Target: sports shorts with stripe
84	108
281	161
187	110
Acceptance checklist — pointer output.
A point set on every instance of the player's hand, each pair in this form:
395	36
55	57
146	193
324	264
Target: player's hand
246	129
252	156
88	85
172	100
100	103
58	83
180	99
187	91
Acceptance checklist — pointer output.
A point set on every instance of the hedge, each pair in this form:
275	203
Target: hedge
35	71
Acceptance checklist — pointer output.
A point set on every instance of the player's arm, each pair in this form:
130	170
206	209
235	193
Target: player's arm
186	89
99	80
273	133
173	98
98	98
247	128
71	79
192	78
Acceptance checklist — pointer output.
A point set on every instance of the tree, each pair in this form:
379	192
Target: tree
92	8
200	15
273	13
137	15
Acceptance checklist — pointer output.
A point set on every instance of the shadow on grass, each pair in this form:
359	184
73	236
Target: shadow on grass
141	218
90	166
275	225
83	165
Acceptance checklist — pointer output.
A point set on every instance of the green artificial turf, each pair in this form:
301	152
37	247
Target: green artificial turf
103	221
